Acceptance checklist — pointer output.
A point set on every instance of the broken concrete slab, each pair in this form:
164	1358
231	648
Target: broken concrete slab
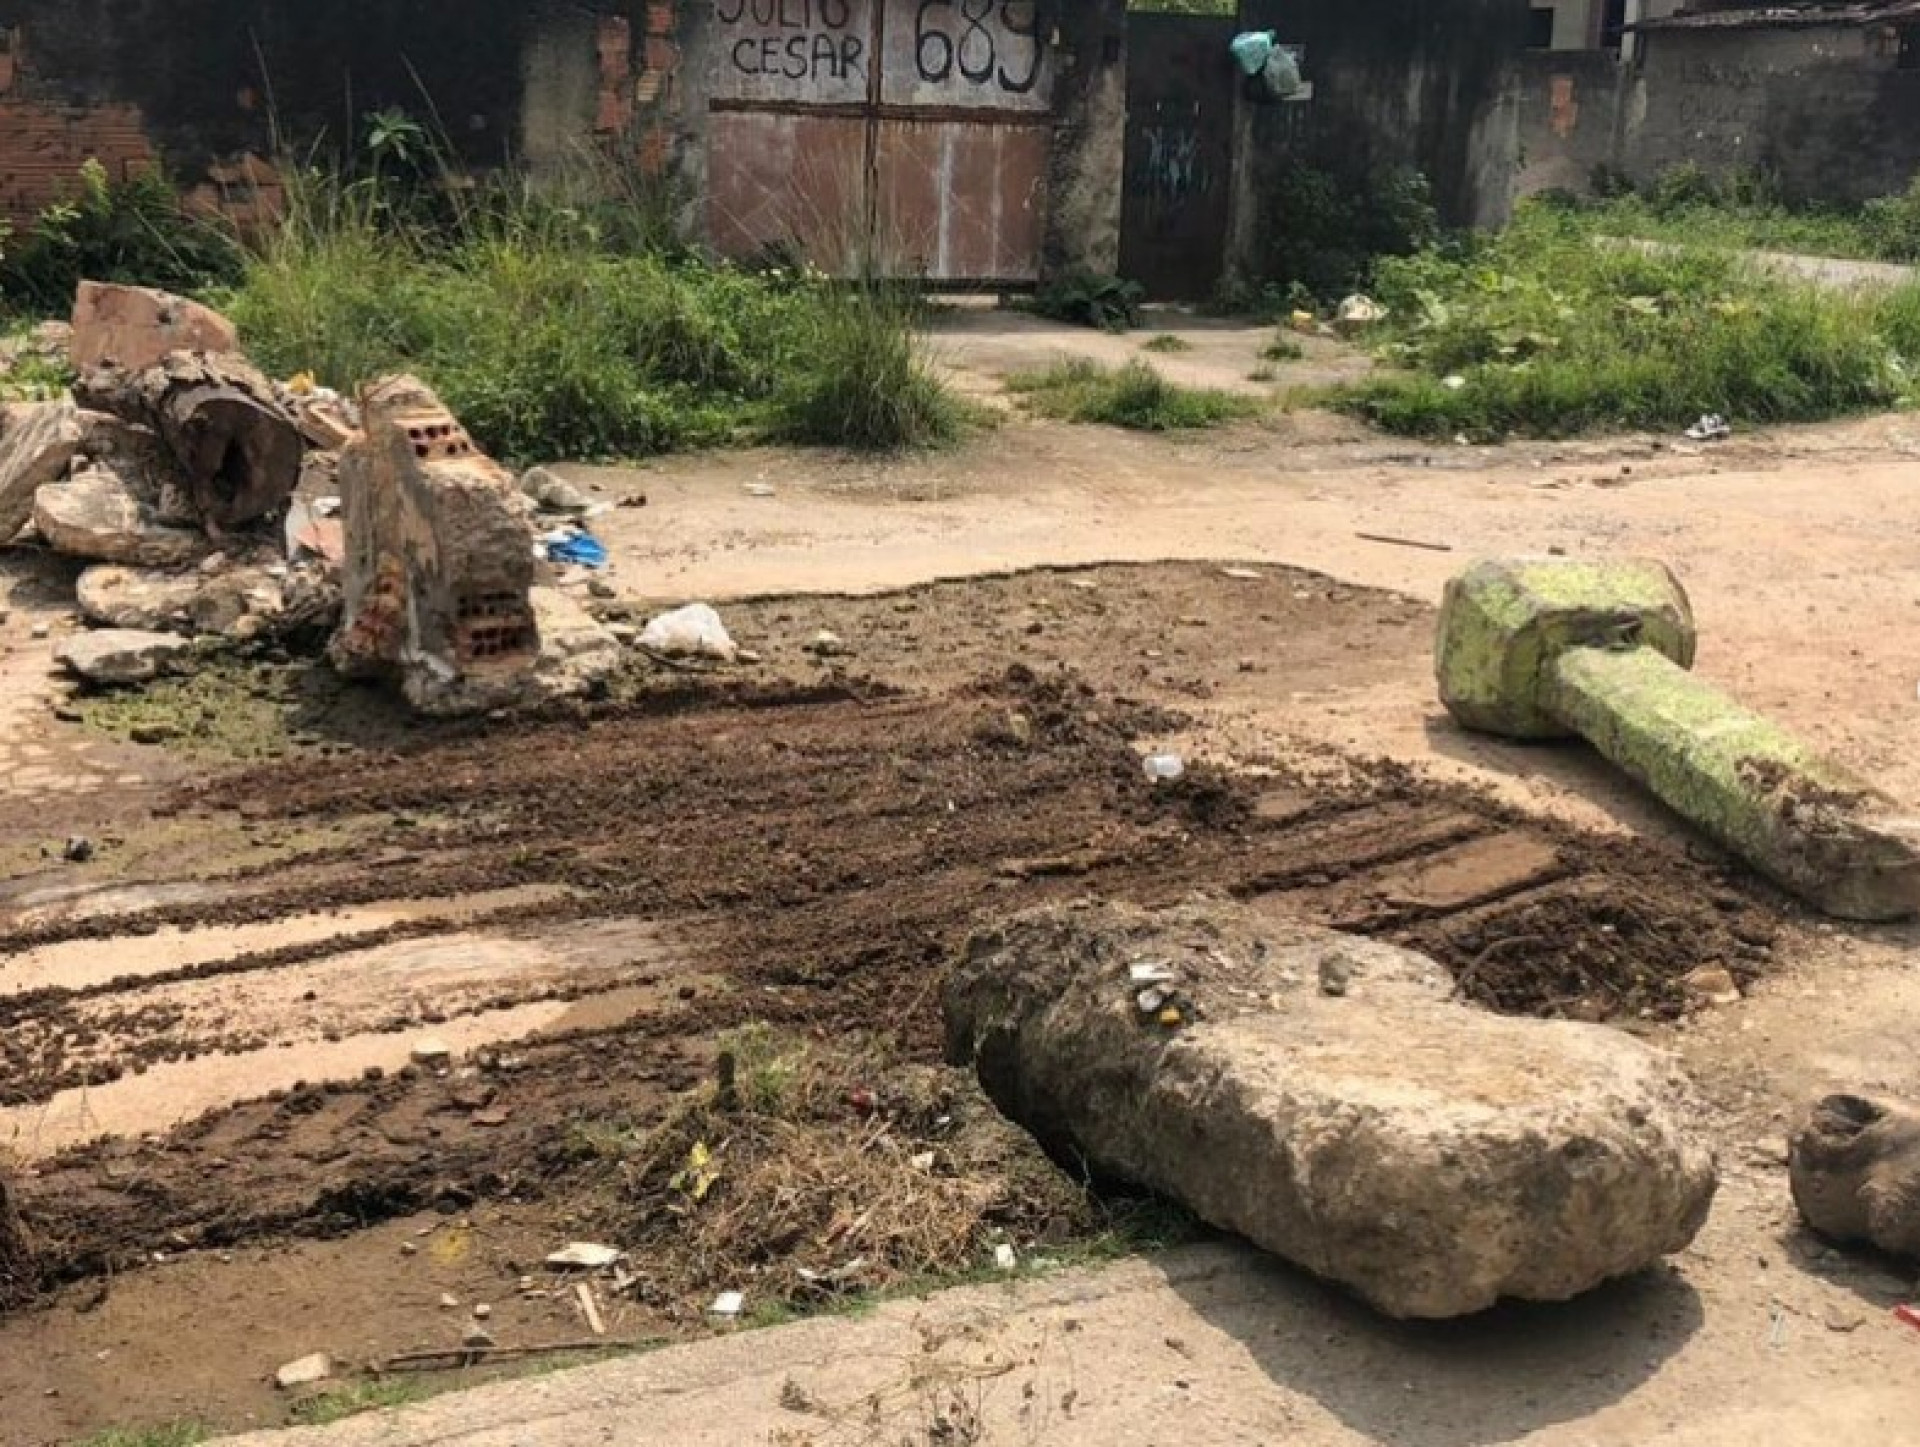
1433	1157
111	596
1555	647
439	566
577	652
1855	1171
97	515
115	657
132	327
37	448
136	455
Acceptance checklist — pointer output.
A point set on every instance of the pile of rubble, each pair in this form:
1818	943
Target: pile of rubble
211	502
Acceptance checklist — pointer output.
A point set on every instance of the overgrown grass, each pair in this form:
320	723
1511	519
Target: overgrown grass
1166	342
551	339
1544	331
1686	205
336	1404
1135	396
169	1434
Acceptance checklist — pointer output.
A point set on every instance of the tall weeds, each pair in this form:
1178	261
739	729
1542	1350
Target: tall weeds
557	327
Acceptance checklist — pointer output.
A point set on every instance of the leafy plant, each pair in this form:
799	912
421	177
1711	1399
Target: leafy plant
1166	342
135	231
1133	396
1337	226
1089	299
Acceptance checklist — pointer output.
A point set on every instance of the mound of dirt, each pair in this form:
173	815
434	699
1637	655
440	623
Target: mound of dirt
19	1275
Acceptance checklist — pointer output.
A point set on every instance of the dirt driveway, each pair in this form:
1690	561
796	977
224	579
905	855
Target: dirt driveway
584	904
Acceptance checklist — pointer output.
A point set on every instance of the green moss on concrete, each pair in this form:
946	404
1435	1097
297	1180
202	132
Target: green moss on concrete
1504	622
1807	823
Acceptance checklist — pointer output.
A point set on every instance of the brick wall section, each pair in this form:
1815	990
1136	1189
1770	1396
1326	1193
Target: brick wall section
657	91
43	147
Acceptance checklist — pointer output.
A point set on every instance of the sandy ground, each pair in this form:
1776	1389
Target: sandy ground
1806	584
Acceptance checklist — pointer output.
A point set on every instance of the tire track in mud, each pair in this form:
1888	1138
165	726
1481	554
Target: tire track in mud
835	854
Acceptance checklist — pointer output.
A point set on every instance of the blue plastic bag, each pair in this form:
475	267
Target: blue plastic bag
1253	48
575	545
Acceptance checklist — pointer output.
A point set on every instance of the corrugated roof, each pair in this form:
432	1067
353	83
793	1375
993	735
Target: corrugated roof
1788	17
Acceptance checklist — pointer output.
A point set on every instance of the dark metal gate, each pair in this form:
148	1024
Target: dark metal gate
1181	83
909	135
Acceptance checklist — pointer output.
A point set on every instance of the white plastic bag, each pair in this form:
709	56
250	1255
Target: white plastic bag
694	631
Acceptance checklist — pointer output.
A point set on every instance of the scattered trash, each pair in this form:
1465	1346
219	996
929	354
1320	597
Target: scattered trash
1453	382
1710	428
1005	1257
1242	575
728	1304
694	631
1152	974
573	545
1358	311
1164	768
758	489
1170	1016
922	1161
1304	321
304	1372
1908	1314
1150	1001
1389	539
588	1255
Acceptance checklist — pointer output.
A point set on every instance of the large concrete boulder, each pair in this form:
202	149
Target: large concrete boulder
36	449
111	596
112	657
98	516
133	327
1855	1169
1323	1096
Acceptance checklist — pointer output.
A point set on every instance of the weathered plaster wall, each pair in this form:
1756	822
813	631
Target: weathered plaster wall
1825	110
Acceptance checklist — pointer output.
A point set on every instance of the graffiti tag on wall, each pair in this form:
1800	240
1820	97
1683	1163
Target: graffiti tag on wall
797	40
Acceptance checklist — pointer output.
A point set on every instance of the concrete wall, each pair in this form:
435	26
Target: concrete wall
1824	109
1568	116
1427	84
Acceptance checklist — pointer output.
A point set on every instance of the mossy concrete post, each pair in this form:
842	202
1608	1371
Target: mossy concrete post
1553	648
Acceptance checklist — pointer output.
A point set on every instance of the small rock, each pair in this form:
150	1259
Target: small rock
1844	1319
432	1052
1005	1258
758	489
1335	975
553	493
77	850
477	1338
1713	985
449	1302
407	1248
117	656
589	1255
316	1367
601	588
728	1304
41	630
826	644
481	1311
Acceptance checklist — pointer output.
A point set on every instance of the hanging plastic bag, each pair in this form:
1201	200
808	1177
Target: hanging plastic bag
1253	48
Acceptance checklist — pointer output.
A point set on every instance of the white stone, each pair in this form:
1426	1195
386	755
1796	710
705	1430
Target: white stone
316	1367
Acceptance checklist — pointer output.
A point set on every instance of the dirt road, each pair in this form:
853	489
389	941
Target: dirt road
578	909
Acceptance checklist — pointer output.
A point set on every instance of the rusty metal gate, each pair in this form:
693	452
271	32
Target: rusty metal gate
909	135
1181	84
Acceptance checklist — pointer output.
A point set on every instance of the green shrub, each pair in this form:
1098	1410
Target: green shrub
1135	396
1166	342
1892	224
1333	228
1544	330
1087	299
864	381
133	231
